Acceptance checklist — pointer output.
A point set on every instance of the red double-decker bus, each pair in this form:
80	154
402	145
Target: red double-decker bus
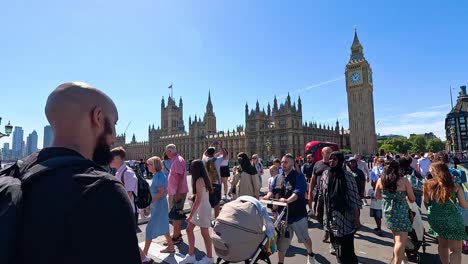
315	148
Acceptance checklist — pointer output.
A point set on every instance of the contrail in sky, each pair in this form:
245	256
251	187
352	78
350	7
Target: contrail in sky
310	87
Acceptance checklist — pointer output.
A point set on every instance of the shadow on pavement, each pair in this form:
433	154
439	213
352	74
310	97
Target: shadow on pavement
314	225
374	240
293	250
183	249
369	261
322	260
429	258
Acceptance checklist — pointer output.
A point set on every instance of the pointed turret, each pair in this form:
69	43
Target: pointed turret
246	110
299	104
153	127
337	127
180	102
356	39
190	120
275	104
209	105
162	102
288	101
257	107
356	48
268	109
133	138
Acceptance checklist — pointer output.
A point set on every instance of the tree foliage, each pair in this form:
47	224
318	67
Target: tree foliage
414	144
435	145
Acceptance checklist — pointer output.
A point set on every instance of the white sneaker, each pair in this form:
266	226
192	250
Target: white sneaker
188	259
205	260
310	260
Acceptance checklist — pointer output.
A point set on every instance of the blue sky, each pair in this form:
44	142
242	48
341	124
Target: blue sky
240	50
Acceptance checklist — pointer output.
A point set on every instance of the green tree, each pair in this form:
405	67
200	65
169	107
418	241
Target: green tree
418	143
401	145
435	145
387	147
346	151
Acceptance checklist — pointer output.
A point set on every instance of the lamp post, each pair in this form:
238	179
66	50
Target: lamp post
452	134
8	129
268	147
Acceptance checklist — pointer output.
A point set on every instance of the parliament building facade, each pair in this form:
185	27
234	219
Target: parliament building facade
271	133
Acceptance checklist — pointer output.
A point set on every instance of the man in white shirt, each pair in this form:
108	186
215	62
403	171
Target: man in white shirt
423	165
125	175
128	178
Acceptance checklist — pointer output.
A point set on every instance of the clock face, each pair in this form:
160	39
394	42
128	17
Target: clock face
355	77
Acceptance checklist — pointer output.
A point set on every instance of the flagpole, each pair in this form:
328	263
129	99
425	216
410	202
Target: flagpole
451	99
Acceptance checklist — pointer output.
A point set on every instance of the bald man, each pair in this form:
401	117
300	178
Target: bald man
80	213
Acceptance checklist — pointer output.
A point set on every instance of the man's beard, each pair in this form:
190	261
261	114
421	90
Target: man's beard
102	153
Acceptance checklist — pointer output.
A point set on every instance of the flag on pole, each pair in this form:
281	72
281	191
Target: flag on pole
170	86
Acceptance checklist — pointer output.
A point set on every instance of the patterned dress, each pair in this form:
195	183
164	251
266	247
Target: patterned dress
159	222
395	210
341	224
445	220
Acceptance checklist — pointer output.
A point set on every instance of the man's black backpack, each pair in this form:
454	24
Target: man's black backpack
143	199
16	180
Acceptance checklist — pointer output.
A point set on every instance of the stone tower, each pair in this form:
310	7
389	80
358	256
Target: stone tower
360	90
209	119
172	119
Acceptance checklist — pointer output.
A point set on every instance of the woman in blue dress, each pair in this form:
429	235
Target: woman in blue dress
159	222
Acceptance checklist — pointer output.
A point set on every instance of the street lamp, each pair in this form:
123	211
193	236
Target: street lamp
268	147
8	129
452	134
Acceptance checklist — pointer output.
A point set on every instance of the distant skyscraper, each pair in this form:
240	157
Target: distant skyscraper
6	152
31	144
17	144
48	136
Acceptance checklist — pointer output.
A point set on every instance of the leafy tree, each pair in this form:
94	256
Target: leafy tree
435	145
401	145
418	143
346	151
388	147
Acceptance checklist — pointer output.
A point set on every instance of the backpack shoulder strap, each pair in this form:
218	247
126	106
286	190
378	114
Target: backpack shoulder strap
56	163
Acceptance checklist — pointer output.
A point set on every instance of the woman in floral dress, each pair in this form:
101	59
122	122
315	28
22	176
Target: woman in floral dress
395	190
441	195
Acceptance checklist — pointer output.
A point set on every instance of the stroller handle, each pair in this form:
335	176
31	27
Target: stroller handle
273	202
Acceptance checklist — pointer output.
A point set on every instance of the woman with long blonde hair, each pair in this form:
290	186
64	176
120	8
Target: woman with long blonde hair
441	195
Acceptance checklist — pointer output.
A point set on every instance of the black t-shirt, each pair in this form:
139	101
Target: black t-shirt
295	182
319	168
307	169
75	215
360	178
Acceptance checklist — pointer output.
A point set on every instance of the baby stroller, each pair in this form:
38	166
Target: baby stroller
240	231
416	238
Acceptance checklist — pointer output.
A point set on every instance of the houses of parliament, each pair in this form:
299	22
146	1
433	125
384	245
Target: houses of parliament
271	133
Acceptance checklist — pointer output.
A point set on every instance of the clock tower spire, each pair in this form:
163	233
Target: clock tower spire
360	89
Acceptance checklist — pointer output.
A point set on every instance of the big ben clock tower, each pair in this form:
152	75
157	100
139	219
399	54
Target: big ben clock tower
360	101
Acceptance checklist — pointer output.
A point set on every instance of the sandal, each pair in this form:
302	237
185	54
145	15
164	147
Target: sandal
168	250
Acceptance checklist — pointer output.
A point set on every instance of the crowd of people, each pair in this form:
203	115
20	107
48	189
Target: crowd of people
80	213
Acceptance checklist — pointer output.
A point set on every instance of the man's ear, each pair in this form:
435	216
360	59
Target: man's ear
97	117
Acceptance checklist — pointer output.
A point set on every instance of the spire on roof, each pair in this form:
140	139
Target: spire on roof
356	39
